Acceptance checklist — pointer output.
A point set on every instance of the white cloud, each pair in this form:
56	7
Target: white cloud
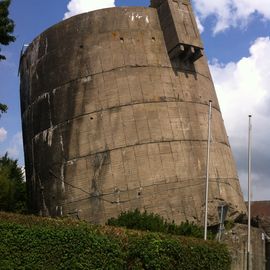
243	89
16	146
80	6
199	24
3	134
231	13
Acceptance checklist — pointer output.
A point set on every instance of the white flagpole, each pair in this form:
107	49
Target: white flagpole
249	188
207	169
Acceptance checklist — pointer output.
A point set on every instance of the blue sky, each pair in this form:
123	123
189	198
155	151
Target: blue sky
236	39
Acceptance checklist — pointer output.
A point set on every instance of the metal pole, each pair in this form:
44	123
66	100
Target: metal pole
249	188
220	224
207	169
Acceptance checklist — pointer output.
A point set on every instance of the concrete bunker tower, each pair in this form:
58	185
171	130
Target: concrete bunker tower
114	110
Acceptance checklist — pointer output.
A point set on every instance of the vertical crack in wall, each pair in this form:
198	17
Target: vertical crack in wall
44	209
97	183
98	163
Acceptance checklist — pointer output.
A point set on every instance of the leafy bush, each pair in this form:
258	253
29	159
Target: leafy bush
155	223
154	251
140	221
47	247
28	242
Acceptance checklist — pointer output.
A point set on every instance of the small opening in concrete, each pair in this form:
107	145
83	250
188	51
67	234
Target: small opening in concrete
121	39
153	39
81	46
91	118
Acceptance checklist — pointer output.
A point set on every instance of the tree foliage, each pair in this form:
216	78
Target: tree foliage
12	186
3	108
6	29
6	26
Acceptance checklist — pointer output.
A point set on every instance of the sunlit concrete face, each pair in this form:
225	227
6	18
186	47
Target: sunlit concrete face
114	108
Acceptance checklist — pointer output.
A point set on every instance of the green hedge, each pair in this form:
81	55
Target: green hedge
153	251
154	223
41	243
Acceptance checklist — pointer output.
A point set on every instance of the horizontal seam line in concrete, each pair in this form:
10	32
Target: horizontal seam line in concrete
101	195
111	70
181	180
117	107
212	180
139	144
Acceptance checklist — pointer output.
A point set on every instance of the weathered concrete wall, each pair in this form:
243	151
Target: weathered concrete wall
236	239
267	254
179	27
260	210
111	123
